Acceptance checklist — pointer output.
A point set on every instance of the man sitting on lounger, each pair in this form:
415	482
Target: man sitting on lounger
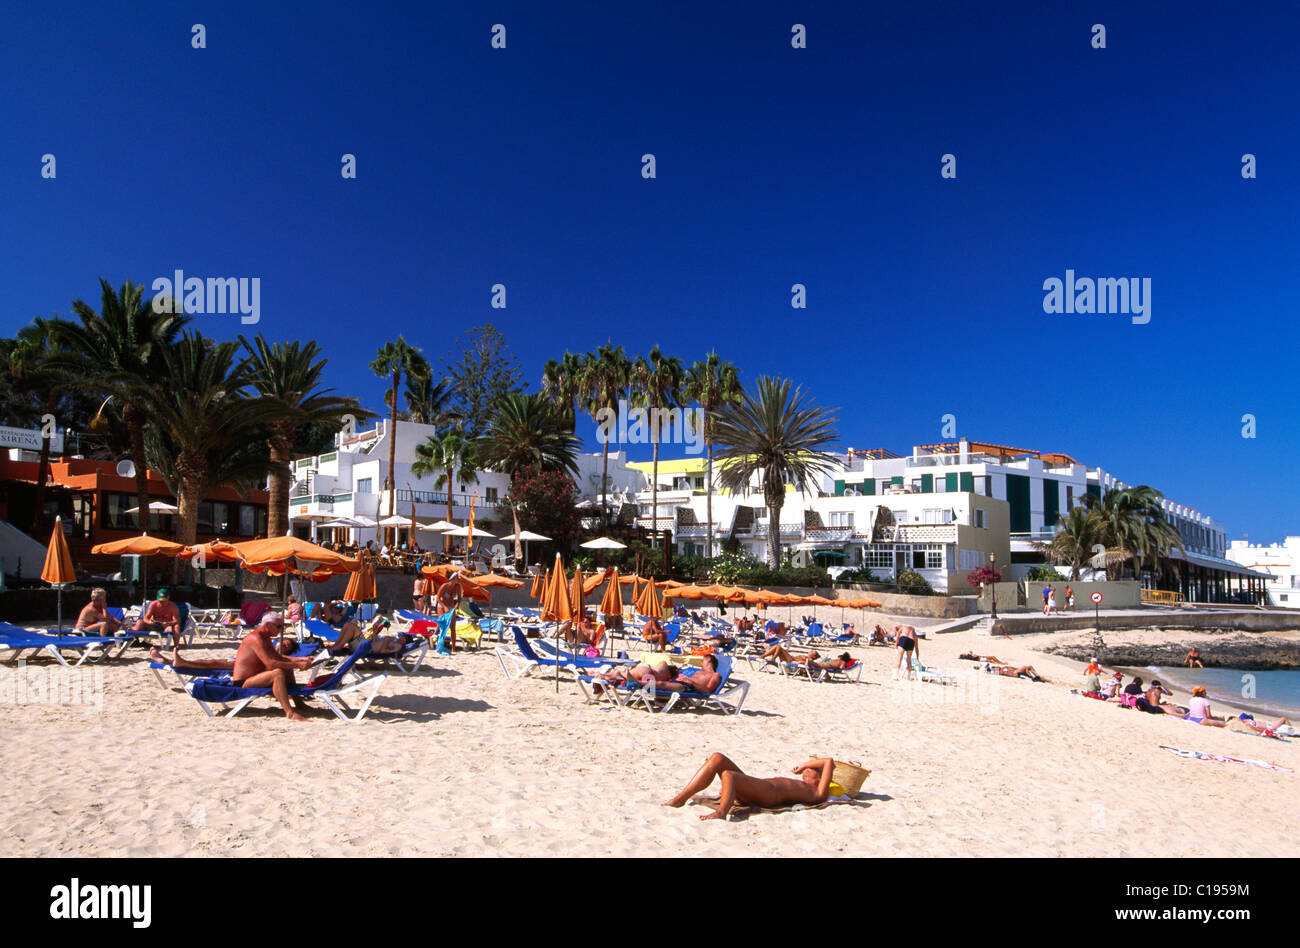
94	618
738	788
258	665
161	616
654	634
348	630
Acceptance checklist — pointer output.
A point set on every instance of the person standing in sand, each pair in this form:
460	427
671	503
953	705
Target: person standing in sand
905	636
740	789
449	597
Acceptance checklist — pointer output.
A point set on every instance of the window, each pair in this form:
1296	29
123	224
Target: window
937	515
366	485
941	485
699	482
879	556
490	495
927	556
221	518
247	520
981	518
842	518
916	485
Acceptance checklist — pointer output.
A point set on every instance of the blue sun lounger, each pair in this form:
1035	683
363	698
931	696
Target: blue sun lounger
221	690
523	658
728	697
90	647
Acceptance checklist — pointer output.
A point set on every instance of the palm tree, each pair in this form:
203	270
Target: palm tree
392	360
527	435
565	382
712	384
445	455
429	402
1081	530
30	359
118	351
609	372
203	412
1134	522
778	434
659	379
289	374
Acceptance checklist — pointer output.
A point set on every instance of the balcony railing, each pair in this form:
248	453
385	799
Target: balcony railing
439	497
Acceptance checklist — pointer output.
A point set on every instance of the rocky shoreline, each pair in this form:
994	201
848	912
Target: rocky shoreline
1248	651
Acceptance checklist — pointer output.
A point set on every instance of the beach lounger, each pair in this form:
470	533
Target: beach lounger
523	658
927	673
221	690
728	697
14	641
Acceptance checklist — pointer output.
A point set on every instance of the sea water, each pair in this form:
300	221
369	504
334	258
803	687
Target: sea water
1275	693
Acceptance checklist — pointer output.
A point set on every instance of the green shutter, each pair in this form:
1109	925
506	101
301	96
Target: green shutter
967	482
839	488
1051	502
927	483
1095	490
869	486
950	482
896	481
1018	499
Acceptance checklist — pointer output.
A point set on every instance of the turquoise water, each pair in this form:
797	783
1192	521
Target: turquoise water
1274	692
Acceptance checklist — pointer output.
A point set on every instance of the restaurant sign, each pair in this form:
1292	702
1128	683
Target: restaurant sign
30	439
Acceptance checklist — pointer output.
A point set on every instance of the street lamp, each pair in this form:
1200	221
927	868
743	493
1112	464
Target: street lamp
993	559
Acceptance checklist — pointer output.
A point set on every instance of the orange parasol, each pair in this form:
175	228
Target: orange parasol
143	545
612	603
555	598
58	570
649	603
538	583
594	582
487	580
280	555
361	585
577	593
471	588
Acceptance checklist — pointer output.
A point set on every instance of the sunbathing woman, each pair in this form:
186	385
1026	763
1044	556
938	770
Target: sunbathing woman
1267	730
738	788
1024	671
779	653
972	657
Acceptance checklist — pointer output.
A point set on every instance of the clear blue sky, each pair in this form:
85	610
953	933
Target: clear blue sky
775	166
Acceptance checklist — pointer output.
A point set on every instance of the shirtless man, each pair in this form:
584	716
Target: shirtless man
653	632
161	616
1024	671
449	597
905	638
661	673
704	681
257	664
94	618
738	788
583	634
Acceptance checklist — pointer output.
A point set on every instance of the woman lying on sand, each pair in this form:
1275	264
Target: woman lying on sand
1024	671
738	788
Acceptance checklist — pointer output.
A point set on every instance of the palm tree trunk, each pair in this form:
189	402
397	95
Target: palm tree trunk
277	510
43	472
654	485
519	546
191	475
604	479
708	503
446	540
392	453
135	426
774	535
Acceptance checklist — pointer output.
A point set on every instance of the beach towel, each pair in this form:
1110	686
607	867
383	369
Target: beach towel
1202	755
739	813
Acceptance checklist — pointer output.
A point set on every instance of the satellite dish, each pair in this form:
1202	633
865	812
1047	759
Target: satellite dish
125	469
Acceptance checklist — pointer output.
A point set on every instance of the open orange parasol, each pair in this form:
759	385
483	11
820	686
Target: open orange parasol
361	585
143	545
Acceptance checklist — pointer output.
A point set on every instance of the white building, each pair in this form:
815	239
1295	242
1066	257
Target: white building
1282	560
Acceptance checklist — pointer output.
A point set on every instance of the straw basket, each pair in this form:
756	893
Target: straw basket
850	775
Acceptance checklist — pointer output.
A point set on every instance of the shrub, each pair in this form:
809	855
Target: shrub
984	576
1045	574
913	583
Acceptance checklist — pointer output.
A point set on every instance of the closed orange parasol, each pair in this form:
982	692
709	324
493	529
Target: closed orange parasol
577	593
58	570
612	603
649	603
536	590
555	599
361	585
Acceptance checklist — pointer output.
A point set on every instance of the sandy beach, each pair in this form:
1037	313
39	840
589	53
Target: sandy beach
459	761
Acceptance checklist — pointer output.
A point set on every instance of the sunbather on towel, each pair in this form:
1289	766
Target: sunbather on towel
258	665
738	788
162	615
1279	728
94	618
778	653
1024	671
972	657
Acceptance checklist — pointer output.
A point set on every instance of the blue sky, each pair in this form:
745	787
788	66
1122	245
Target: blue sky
775	166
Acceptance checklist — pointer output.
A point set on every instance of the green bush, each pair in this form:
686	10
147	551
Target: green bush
1045	574
913	583
861	575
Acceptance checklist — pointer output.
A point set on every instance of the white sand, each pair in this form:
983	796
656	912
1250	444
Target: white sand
459	761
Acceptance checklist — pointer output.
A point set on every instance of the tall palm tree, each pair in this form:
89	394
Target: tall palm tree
392	361
31	361
118	351
1134	522
527	435
203	411
712	384
659	379
609	372
565	383
1081	530
429	402
776	432
446	454
289	374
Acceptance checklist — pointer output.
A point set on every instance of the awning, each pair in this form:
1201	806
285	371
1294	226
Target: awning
1216	563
